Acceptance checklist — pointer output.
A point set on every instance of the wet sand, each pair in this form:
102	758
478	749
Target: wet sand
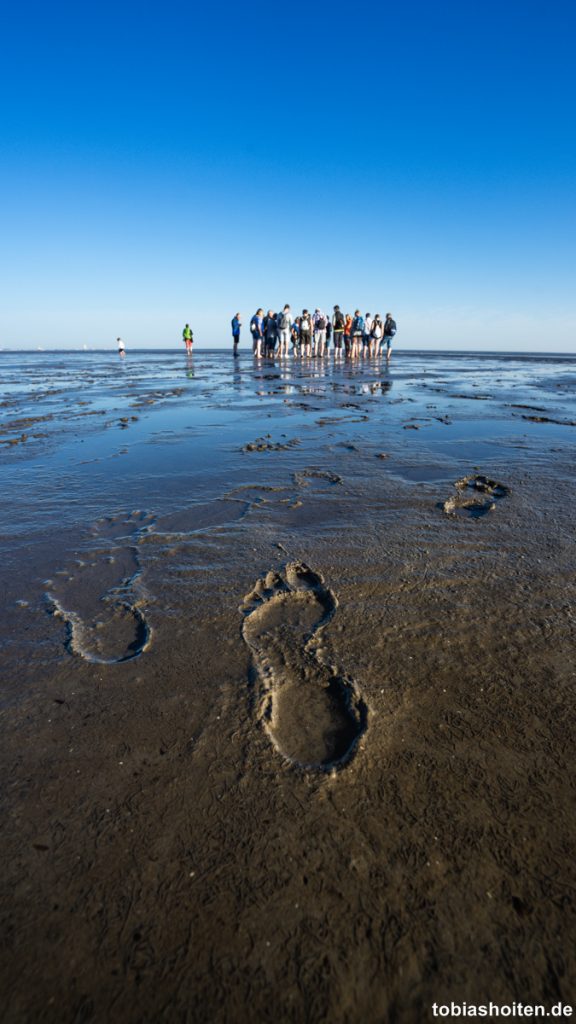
288	701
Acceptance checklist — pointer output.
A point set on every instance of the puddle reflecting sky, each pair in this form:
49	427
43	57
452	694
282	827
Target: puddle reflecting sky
85	433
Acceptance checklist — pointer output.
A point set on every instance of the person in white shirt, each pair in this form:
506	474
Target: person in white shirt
121	347
367	333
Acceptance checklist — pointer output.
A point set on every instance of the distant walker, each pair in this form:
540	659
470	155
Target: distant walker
188	338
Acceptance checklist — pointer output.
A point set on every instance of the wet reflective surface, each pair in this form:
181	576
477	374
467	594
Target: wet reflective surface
90	432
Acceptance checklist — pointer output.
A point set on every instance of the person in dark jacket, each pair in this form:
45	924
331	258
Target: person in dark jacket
389	332
236	325
270	333
257	333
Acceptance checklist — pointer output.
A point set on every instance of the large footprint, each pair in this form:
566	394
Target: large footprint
313	716
96	597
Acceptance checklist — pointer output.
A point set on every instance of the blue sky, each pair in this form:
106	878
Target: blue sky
170	163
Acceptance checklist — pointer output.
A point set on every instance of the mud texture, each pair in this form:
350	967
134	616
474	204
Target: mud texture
298	746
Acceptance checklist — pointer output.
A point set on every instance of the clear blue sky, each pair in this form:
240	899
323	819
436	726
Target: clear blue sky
181	161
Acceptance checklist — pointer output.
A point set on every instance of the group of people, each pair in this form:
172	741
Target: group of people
310	334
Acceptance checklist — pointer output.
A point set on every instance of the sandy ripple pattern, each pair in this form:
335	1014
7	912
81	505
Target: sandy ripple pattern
313	715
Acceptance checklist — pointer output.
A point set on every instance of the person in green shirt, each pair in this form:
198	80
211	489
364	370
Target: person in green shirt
188	337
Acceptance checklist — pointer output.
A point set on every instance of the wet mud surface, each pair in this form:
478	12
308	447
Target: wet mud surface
286	736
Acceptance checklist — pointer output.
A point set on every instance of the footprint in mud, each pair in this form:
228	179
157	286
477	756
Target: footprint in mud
304	477
265	444
313	716
97	596
487	493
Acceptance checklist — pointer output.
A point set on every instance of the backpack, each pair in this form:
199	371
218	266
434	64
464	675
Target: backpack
377	329
305	324
254	325
321	323
390	328
284	321
339	320
358	325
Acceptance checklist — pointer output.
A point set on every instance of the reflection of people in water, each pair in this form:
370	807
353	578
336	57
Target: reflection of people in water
121	348
188	338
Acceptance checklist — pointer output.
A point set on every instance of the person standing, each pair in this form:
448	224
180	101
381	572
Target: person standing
376	335
305	325
347	333
338	323
319	332
389	332
295	332
236	325
284	327
257	333
367	333
121	348
357	333
188	338
328	334
270	333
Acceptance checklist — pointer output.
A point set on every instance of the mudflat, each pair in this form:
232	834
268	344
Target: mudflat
288	686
